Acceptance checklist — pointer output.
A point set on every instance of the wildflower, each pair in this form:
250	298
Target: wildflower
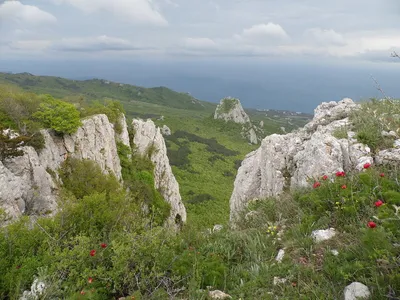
325	177
382	174
367	165
92	252
340	174
371	224
103	245
82	292
294	284
18	267
316	184
344	187
378	203
90	280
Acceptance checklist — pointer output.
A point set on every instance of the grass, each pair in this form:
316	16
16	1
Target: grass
375	117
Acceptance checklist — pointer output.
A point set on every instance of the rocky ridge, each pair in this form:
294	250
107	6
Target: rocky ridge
28	182
291	160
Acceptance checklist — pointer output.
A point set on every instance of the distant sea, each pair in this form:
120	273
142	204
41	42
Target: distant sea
262	84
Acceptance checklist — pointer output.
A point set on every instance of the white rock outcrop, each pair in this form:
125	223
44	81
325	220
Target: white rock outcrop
356	291
165	130
288	161
123	134
26	181
148	138
230	109
218	295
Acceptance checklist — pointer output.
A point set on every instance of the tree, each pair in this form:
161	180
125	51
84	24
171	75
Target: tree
58	115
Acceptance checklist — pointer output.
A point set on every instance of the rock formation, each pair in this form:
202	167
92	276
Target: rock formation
289	161
165	130
148	140
26	181
230	109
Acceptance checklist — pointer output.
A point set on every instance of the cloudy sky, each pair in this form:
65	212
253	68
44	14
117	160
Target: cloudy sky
349	29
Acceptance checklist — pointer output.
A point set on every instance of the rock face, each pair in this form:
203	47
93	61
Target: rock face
27	185
230	109
288	161
165	130
147	139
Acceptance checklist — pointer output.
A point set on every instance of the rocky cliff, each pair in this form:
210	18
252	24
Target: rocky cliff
289	161
148	140
28	182
230	109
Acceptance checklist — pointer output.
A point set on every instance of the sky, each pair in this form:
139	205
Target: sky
198	33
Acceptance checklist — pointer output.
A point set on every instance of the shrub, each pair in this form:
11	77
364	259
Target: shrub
57	115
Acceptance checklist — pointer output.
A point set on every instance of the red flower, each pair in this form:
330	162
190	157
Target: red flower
103	245
382	174
18	267
82	292
371	224
367	165
90	280
316	184
378	203
344	186
294	284
92	252
325	177
340	174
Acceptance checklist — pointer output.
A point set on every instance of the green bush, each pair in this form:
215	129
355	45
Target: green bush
85	177
58	115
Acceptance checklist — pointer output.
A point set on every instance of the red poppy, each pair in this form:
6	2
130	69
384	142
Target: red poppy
367	165
325	177
382	174
92	252
82	292
371	224
103	245
378	203
344	186
340	174
90	280
316	184
294	284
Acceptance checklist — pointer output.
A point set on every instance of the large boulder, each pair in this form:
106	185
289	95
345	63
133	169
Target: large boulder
148	140
289	161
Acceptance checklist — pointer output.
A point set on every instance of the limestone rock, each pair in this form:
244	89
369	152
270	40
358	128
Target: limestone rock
149	141
323	235
27	183
165	130
217	228
230	109
356	291
278	280
123	135
218	295
281	254
288	161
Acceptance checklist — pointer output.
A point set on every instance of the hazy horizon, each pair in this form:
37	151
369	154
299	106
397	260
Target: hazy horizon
296	86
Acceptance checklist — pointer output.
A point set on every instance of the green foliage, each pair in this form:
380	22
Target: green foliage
137	173
84	177
373	118
58	115
340	133
227	105
111	108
